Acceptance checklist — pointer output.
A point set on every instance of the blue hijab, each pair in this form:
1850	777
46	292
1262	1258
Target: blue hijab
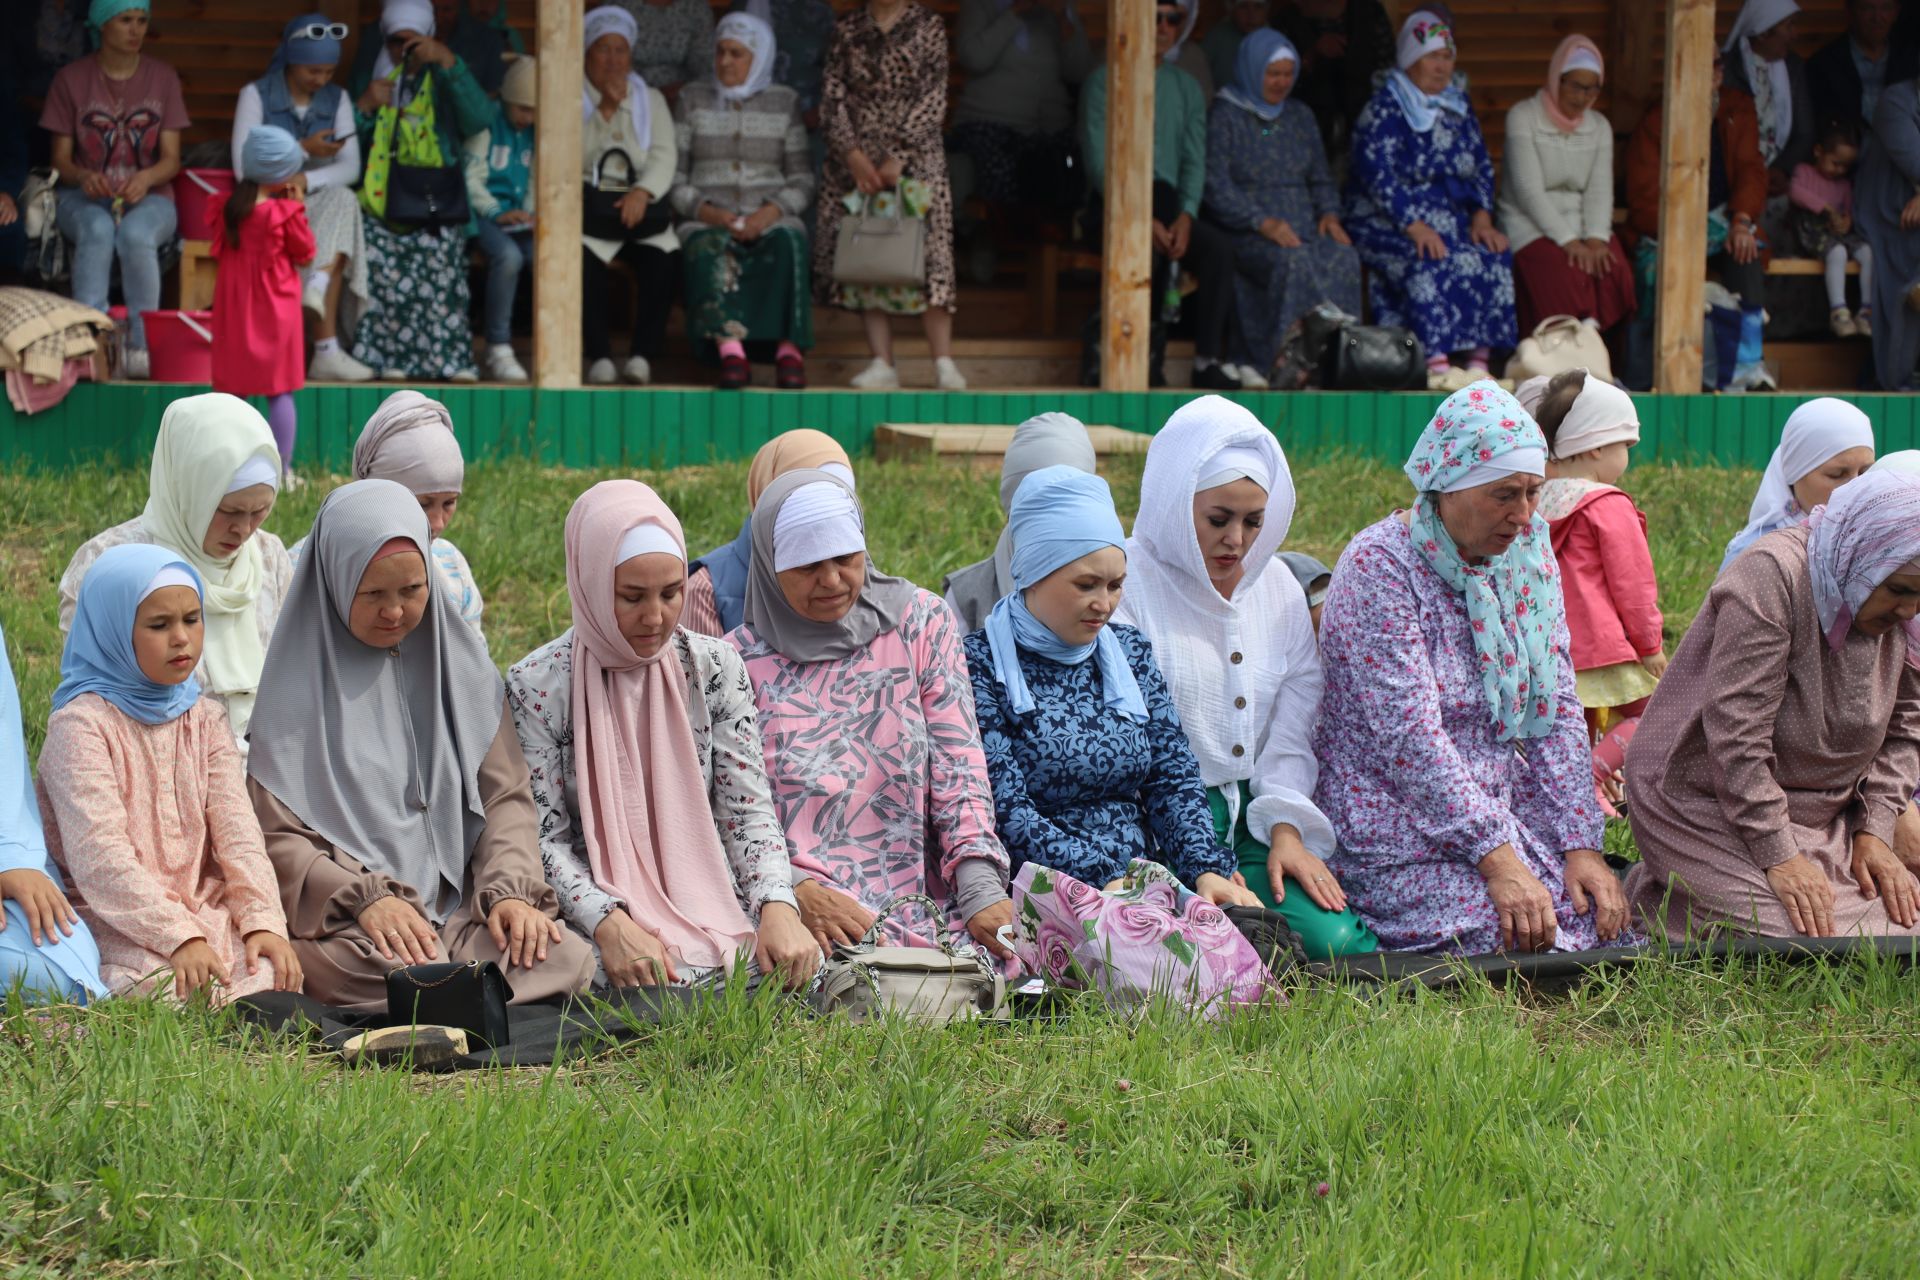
1059	514
298	51
99	654
1421	108
1249	88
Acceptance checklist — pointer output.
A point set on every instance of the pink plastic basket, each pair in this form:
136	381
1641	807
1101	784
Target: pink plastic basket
198	197
179	345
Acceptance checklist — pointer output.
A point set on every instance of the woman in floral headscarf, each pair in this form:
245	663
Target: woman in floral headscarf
1454	762
1783	743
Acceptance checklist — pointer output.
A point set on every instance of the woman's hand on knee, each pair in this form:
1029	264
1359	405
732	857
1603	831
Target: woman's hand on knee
1592	884
1486	235
522	932
264	944
631	956
1222	892
1803	890
1426	241
399	932
49	914
1523	904
784	948
1287	856
1881	875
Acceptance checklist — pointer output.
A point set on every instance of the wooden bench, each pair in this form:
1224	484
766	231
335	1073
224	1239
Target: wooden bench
194	275
1044	283
981	448
1804	267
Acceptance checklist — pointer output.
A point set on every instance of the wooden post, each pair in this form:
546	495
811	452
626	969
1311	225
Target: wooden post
556	170
1685	141
1126	304
1632	78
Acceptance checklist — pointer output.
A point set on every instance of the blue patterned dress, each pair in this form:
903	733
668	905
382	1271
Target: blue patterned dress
1259	169
1080	788
1399	177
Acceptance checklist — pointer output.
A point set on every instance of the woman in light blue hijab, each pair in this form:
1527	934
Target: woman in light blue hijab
1089	765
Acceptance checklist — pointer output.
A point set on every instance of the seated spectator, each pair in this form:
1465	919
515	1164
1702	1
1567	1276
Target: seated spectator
1820	221
717	581
499	165
1013	121
802	32
1420	209
1736	201
1761	63
1269	185
1090	767
1887	204
1847	76
142	793
1186	53
1556	204
680	879
388	778
480	37
1222	41
1454	757
1181	241
626	139
1826	443
419	104
47	953
298	94
116	116
866	715
1343	45
672	44
216	474
1776	758
1042	441
744	181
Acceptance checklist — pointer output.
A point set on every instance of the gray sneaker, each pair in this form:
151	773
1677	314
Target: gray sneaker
337	366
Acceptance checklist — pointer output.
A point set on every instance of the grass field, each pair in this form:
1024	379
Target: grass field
1687	1120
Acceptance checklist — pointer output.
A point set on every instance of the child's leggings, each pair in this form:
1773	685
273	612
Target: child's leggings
280	417
1836	273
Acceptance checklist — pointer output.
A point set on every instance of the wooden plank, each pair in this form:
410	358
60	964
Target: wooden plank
1126	272
908	440
556	231
1684	144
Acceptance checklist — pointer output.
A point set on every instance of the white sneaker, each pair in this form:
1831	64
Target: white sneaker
601	373
393	375
466	375
947	375
877	376
637	371
337	366
313	299
502	366
137	364
1250	379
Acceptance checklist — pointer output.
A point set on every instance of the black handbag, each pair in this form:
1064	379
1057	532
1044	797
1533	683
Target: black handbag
471	996
1279	947
600	205
426	196
1370	357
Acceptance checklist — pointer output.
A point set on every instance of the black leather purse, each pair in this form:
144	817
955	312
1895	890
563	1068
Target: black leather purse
600	205
471	996
1369	357
426	196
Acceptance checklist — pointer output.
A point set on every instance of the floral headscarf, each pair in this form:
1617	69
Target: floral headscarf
1865	532
1513	599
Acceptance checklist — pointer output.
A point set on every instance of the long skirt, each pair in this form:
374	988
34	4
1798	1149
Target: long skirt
334	215
1456	303
759	290
418	321
1546	284
1273	287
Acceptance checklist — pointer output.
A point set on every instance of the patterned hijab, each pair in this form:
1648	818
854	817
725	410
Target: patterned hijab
1513	599
1866	532
883	601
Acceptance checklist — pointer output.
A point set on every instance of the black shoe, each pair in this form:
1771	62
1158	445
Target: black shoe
1214	378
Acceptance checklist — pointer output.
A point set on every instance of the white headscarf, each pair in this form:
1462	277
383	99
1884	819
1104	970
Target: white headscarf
1814	432
1900	460
1771	85
817	522
401	15
754	32
1423	32
1186	30
1602	414
611	19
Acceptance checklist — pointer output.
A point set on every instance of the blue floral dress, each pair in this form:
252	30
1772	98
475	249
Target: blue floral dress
1080	788
1259	169
1464	300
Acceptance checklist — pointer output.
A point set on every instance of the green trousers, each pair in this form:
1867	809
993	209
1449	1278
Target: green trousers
1326	934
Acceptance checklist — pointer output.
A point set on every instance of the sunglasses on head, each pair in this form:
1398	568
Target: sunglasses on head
321	31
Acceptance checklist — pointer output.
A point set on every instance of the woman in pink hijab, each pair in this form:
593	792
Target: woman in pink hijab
657	828
1556	199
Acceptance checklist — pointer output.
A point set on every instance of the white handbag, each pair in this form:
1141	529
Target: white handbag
1557	344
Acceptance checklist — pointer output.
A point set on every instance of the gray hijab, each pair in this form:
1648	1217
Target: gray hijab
883	601
378	750
1044	440
410	439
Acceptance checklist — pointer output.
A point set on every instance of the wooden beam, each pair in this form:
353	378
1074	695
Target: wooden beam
1685	140
1632	74
1126	304
556	175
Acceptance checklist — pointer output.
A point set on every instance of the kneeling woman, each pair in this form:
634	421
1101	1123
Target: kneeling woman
866	716
387	776
141	788
1454	759
1090	768
1783	743
656	826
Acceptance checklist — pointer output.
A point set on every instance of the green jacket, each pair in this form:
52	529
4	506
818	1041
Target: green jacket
1179	133
461	109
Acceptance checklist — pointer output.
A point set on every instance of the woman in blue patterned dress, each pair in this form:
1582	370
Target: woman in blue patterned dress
1089	765
1268	183
1420	208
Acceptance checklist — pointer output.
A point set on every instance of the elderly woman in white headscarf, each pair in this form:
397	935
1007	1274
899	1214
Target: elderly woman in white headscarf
1825	444
216	474
1761	62
1044	440
627	151
744	184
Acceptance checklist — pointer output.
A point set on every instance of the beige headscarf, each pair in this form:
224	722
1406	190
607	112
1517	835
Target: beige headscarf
409	440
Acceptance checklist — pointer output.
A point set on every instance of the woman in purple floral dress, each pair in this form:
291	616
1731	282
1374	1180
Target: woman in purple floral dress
1454	762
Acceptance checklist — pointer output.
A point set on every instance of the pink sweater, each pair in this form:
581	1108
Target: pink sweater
1606	575
1813	190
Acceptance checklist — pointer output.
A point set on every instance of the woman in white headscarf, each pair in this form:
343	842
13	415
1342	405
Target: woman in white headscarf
1233	635
1825	443
1761	62
744	184
216	473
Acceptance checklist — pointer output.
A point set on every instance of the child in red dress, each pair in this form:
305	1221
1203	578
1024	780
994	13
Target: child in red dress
262	241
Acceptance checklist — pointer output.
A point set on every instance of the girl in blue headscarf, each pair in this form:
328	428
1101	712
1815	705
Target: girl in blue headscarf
143	798
1089	765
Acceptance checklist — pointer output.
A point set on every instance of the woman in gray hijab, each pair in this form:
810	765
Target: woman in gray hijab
387	775
1044	440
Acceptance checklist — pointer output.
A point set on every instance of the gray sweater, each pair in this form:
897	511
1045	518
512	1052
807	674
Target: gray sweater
740	155
1025	89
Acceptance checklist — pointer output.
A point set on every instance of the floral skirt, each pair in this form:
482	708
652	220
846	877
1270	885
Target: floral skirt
417	322
759	290
898	300
339	230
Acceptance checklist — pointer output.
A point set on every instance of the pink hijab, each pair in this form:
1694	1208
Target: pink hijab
651	839
1550	95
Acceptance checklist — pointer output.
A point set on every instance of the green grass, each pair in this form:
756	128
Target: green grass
1679	1120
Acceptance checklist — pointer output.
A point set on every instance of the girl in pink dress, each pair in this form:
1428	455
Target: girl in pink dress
262	242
